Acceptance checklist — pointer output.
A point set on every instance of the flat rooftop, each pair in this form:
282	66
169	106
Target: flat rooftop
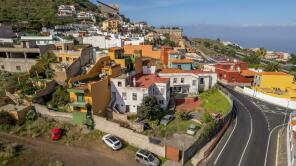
13	107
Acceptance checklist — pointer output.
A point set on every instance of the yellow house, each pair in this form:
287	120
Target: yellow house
111	25
277	84
95	92
93	87
127	62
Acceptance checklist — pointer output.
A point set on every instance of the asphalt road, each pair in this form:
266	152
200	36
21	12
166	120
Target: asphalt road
251	138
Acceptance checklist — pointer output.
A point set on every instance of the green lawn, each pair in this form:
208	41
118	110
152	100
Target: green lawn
214	101
175	126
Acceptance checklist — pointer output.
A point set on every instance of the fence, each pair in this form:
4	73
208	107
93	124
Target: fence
267	98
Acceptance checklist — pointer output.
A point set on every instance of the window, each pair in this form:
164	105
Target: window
182	80
134	96
60	59
119	84
193	82
2	67
175	80
80	98
162	91
123	95
18	68
201	81
67	59
160	102
179	67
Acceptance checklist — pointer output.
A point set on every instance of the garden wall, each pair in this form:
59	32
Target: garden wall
135	139
267	98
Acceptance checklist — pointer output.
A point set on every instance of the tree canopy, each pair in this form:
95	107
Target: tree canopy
149	109
272	66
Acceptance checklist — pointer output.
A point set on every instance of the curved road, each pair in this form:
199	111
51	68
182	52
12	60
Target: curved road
245	142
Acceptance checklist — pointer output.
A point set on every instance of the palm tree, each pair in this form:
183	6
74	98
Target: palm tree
273	66
262	52
43	66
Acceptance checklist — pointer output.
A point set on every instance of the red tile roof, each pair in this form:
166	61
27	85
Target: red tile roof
146	81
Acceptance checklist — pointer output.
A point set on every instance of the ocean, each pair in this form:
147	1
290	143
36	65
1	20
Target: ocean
273	38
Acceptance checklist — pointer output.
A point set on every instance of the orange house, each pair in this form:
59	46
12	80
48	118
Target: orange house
148	51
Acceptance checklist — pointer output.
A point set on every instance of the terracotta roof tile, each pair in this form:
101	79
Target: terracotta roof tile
146	81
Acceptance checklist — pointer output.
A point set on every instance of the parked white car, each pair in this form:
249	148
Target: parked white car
112	141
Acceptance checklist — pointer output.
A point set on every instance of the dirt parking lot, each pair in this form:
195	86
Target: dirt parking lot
39	151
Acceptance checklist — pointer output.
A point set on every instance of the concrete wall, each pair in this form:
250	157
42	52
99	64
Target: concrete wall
10	64
87	56
135	139
95	41
274	100
101	96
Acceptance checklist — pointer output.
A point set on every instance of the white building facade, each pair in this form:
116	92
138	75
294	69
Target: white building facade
129	94
189	82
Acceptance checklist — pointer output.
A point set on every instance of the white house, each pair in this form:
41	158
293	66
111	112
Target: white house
102	41
189	81
129	91
44	40
66	10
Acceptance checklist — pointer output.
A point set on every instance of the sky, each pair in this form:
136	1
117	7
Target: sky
268	19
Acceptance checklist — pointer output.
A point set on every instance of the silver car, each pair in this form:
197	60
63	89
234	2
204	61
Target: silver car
147	158
167	119
112	141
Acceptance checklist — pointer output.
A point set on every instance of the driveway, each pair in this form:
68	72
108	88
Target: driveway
36	151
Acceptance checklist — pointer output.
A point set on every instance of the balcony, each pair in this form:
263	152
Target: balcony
78	104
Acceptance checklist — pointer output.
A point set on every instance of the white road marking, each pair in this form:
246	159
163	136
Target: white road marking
248	142
267	148
226	142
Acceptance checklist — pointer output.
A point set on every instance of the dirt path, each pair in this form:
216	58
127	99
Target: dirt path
37	151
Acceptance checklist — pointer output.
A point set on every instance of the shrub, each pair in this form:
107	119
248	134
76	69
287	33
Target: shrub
31	115
89	122
207	118
6	119
183	115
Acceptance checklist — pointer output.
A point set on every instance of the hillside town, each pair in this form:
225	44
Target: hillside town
150	92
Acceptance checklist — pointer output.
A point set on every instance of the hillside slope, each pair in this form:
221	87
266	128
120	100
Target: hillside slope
31	15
